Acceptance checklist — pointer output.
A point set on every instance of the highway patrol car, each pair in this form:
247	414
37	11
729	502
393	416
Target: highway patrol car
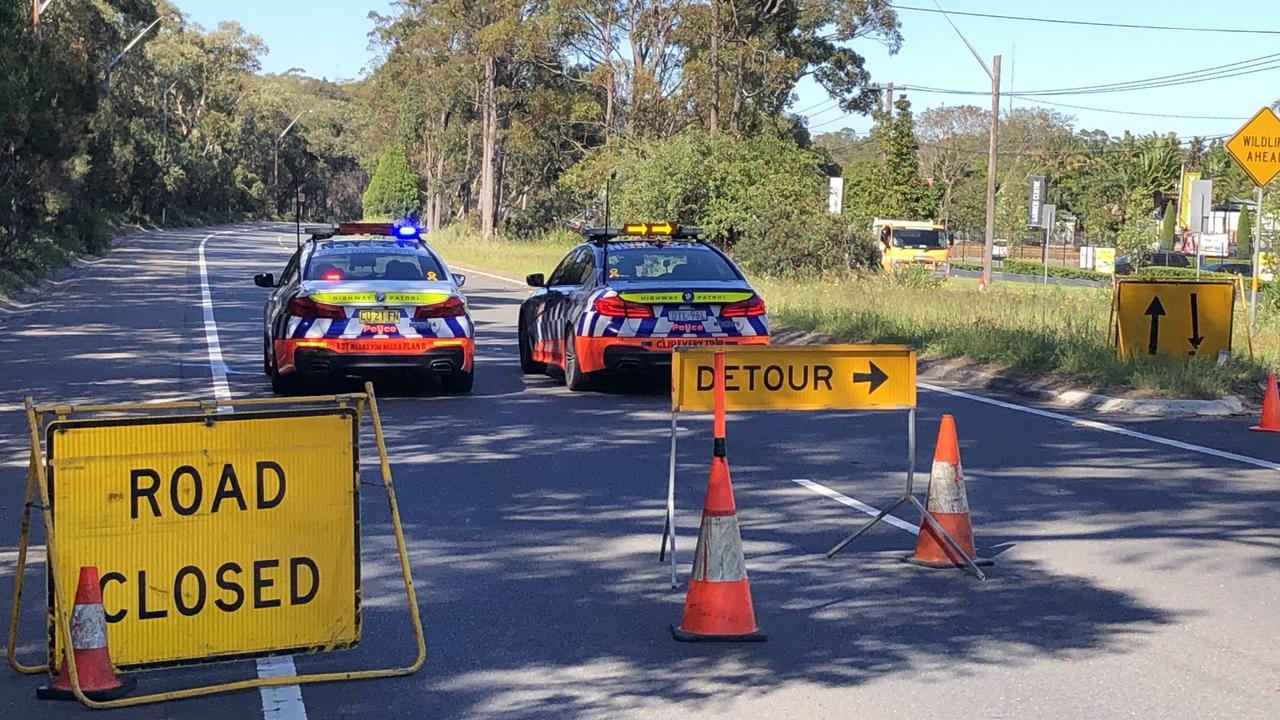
625	298
363	299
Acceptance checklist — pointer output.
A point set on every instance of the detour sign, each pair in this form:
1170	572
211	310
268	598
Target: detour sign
799	377
214	536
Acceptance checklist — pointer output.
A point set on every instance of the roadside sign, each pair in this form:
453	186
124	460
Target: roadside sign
1104	259
1256	146
799	377
1174	318
216	536
1035	201
1201	204
835	195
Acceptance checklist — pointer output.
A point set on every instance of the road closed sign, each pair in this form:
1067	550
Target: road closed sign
1174	318
799	377
215	537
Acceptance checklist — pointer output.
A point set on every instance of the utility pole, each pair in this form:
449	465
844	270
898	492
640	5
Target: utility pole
992	158
106	75
275	172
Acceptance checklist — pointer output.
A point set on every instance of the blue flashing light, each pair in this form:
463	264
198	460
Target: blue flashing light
408	231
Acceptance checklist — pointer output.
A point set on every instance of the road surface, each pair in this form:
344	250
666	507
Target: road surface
1136	565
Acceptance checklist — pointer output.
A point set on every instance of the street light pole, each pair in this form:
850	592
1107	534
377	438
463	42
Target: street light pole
275	172
106	76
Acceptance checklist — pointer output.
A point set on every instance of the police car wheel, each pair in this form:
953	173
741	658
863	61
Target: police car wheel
574	378
266	356
527	364
290	384
458	382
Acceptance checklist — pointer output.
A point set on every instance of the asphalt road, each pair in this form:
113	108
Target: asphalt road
1133	578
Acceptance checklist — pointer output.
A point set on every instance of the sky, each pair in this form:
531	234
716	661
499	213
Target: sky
329	38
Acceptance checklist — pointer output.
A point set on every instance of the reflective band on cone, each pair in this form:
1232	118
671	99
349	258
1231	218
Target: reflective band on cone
97	676
948	503
1270	420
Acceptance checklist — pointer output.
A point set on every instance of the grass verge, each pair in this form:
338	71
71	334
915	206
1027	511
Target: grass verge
1055	331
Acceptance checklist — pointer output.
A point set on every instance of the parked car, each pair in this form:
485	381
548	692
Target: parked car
1125	263
1243	269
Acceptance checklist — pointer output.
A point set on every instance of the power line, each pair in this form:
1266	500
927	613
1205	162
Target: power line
804	110
1090	23
913	88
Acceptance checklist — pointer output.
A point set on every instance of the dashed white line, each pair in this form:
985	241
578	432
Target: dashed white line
1107	427
283	702
857	505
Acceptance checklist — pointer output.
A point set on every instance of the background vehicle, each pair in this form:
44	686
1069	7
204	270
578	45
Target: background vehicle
369	299
1125	263
913	242
622	300
1235	268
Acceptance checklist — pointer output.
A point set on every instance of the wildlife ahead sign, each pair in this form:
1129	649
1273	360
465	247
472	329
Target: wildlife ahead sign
1172	318
215	536
1256	146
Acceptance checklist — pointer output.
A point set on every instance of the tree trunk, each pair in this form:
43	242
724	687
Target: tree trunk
488	151
715	66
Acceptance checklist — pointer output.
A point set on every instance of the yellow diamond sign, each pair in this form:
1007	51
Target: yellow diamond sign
1256	146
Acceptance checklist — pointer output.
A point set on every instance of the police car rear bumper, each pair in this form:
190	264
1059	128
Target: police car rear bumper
326	363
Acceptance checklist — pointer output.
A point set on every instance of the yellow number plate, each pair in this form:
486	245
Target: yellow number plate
379	317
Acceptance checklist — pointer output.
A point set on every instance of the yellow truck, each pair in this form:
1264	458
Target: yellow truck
921	243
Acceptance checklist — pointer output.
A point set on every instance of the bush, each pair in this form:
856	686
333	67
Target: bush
1025	267
393	191
1160	271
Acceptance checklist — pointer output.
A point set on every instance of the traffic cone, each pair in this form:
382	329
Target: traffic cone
98	679
717	607
1270	421
949	506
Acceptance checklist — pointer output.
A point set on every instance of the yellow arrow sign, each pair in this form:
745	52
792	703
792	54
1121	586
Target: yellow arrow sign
1172	318
1256	146
799	377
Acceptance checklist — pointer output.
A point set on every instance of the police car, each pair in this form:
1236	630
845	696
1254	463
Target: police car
625	298
363	299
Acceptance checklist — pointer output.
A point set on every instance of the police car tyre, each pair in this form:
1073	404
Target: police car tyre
528	365
290	384
266	356
458	382
574	378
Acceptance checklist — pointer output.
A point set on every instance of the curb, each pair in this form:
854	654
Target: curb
1004	381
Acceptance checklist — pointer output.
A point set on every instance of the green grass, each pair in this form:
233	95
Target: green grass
1056	331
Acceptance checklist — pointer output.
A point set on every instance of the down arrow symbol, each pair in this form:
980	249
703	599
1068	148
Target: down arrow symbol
875	376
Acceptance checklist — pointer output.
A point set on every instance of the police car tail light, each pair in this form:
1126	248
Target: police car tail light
307	308
747	308
453	307
614	306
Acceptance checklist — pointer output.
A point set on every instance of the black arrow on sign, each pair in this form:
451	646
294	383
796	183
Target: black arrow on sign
1155	310
875	376
1195	338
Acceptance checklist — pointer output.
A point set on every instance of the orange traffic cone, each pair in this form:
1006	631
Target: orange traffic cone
718	605
949	506
98	680
1270	421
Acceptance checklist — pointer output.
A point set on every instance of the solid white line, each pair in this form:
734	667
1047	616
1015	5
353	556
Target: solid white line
217	367
283	702
857	505
472	270
278	703
1106	427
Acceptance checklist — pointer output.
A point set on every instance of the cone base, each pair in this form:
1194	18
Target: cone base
686	636
943	565
1259	428
53	692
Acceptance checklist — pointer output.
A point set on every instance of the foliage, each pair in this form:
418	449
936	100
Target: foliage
1161	271
393	189
1244	235
1035	269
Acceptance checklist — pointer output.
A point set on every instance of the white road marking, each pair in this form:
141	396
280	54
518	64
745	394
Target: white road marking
1107	427
283	702
857	505
473	271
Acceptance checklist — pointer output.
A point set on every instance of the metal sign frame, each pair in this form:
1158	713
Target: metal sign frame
60	614
667	546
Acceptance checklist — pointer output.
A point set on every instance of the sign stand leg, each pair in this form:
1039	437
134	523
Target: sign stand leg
906	495
669	528
20	569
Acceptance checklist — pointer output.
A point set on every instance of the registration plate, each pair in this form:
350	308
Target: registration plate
379	317
688	315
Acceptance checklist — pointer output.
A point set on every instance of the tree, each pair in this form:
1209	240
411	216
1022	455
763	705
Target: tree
902	193
393	189
1167	226
1244	235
